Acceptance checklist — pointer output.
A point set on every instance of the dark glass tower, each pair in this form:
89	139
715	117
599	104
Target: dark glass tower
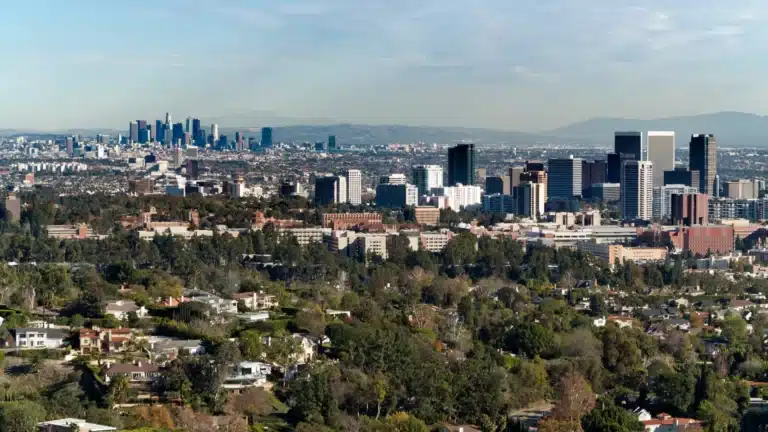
703	158
461	165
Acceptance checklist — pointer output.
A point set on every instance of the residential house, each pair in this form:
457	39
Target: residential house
256	300
72	425
139	374
621	321
121	308
104	340
170	348
171	301
599	322
307	348
37	338
666	423
253	316
678	324
247	374
218	305
740	305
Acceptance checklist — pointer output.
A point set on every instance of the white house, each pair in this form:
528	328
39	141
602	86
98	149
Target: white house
247	374
71	425
217	304
256	300
38	337
121	308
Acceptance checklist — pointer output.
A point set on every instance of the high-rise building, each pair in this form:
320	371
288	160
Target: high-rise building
498	185
615	163
320	146
159	131
703	158
461	165
143	131
514	175
564	178
629	143
168	119
178	156
215	133
530	199
133	131
741	189
660	147
196	132
331	142
608	192
188	125
426	177
537	177
683	176
662	198
637	190
330	190
239	142
354	187
396	195
193	168
394	179
534	166
168	135
70	143
266	137
591	173
178	133
690	209
460	196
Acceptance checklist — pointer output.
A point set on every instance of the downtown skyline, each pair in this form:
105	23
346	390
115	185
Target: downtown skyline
524	66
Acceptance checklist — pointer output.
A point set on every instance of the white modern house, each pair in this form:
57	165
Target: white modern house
38	338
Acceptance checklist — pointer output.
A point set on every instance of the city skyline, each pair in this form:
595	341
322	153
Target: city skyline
432	63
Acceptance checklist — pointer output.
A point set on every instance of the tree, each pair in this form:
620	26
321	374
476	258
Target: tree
312	320
530	338
21	416
251	346
283	352
607	417
575	398
251	403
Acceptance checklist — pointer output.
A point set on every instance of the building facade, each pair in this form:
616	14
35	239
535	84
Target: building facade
427	177
462	165
703	158
564	178
660	147
637	190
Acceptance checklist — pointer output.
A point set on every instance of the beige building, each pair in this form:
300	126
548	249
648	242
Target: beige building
613	252
427	215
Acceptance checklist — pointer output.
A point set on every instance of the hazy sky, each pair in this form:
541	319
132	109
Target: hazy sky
519	64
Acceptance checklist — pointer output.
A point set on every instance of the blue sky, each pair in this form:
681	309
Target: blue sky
521	64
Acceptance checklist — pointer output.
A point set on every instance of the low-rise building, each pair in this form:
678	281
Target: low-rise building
122	308
104	340
256	300
426	215
30	338
139	373
217	304
72	425
247	374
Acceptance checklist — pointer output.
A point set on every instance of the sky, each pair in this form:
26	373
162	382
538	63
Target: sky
527	65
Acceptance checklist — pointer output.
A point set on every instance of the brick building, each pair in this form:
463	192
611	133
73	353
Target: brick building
342	221
702	239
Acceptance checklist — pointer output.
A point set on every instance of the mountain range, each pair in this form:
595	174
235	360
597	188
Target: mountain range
732	129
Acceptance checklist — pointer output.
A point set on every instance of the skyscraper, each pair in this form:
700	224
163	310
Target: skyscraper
683	176
159	131
196	132
178	133
615	162
70	143
703	158
515	173
354	186
143	131
330	190
188	126
331	142
530	199
266	137
461	165
168	119
215	133
661	151
498	185
564	178
637	190
133	131
426	177
629	143
592	173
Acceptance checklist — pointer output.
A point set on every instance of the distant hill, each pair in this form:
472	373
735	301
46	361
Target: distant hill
732	129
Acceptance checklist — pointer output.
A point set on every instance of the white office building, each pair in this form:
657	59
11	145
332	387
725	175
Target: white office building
427	177
637	190
393	179
354	187
461	196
